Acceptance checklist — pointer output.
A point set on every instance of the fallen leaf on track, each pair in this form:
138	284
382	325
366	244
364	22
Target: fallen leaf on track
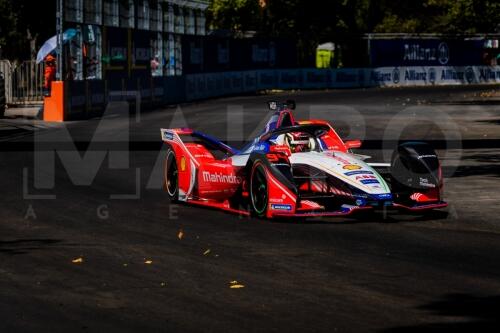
148	262
180	234
77	261
206	252
237	286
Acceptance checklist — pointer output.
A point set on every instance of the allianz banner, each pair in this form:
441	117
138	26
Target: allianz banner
425	52
432	75
199	86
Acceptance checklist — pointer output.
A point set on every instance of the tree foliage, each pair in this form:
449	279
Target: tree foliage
22	22
320	18
234	15
308	21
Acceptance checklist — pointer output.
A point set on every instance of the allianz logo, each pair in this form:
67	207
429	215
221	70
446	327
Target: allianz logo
217	177
415	52
413	75
377	76
488	74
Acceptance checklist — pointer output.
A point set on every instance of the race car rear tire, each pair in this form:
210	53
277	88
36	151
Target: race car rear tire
171	176
259	192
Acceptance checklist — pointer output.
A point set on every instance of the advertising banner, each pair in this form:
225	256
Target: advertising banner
289	79
267	79
425	52
317	78
431	75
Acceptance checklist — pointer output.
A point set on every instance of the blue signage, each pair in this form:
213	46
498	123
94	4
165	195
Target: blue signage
425	52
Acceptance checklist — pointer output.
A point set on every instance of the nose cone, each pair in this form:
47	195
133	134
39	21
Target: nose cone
361	176
348	169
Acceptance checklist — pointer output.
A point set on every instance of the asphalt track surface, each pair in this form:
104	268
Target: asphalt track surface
381	272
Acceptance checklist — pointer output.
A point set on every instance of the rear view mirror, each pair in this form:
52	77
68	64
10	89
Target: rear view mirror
273	106
352	144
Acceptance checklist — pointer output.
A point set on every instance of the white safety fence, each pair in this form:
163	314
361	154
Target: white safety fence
23	82
6	70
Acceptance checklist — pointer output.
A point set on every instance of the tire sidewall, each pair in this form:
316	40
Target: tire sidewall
173	196
255	166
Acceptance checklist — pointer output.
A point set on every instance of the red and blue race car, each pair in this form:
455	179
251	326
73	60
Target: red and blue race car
297	168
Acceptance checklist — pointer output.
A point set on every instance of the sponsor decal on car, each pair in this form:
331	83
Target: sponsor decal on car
351	167
168	135
424	182
220	178
360	202
183	163
281	207
386	196
342	160
426	156
365	177
360	172
202	156
263	147
370	181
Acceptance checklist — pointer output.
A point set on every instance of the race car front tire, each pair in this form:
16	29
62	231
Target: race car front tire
171	176
259	192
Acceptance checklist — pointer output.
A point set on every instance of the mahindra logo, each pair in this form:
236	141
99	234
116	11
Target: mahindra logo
221	178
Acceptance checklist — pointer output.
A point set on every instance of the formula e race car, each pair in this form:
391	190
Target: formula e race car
297	168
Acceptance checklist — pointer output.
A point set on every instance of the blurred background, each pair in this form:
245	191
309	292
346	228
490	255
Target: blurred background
156	46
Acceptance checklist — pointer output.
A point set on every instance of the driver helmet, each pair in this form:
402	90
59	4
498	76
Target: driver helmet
299	142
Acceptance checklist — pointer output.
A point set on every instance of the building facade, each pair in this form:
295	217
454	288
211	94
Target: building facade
128	39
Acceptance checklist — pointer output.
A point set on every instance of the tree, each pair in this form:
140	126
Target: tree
318	19
234	15
22	22
8	27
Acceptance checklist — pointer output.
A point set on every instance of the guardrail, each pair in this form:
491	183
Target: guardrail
23	82
199	86
2	95
6	70
88	98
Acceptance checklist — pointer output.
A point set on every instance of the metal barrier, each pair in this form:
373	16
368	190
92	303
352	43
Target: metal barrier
23	83
6	70
2	95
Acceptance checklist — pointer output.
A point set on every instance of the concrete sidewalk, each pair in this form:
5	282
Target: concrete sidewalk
31	111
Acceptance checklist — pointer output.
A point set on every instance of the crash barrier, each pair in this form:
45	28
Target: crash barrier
6	72
85	99
2	94
200	86
23	82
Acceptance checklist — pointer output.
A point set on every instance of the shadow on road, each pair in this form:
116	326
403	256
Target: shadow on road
465	313
490	166
471	102
489	121
24	246
394	216
477	170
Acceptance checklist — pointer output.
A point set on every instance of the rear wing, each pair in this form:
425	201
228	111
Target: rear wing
177	135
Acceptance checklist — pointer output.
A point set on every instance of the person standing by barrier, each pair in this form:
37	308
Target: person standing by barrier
49	74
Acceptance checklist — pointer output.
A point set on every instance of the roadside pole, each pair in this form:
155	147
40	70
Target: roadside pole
59	32
53	105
